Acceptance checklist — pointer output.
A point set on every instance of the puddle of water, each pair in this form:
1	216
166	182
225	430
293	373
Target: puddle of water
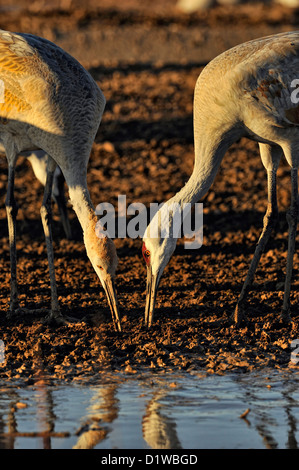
177	412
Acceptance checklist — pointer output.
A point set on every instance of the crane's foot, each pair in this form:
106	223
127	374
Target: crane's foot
52	317
16	312
55	318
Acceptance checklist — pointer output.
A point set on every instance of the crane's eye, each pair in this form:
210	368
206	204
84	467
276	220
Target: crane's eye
100	267
146	254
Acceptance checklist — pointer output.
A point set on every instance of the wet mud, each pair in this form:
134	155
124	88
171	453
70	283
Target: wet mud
144	150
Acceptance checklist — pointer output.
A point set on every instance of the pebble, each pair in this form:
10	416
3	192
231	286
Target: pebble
21	405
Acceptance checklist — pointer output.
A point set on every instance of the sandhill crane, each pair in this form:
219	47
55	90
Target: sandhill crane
52	103
247	91
39	160
159	430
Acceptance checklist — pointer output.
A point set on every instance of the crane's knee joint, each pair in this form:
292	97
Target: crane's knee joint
45	211
271	218
11	208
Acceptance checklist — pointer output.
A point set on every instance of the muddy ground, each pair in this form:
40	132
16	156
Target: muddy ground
146	57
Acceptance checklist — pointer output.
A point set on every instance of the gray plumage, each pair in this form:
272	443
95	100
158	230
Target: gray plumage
248	91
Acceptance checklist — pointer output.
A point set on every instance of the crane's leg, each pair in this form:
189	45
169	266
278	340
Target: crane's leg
292	218
38	160
55	315
12	210
59	198
269	223
271	156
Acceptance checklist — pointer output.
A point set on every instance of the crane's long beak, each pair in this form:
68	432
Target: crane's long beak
112	300
152	283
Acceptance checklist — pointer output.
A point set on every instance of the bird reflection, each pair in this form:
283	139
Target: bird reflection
289	389
7	439
45	418
158	430
103	409
272	426
265	421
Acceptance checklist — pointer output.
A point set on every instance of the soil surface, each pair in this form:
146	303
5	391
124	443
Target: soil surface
146	57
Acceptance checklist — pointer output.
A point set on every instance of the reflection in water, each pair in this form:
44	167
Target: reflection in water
45	414
44	417
265	422
7	440
104	408
198	413
158	430
290	388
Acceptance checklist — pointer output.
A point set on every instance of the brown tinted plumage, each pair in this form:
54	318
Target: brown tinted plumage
50	102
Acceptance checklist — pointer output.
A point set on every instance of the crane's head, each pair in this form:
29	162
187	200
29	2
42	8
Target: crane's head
156	252
102	254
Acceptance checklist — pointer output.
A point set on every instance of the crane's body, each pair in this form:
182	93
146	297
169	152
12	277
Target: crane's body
247	91
52	103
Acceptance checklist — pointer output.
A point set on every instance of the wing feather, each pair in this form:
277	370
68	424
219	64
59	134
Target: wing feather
25	76
272	78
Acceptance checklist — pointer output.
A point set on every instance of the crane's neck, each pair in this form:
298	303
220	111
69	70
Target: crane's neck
210	146
82	205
